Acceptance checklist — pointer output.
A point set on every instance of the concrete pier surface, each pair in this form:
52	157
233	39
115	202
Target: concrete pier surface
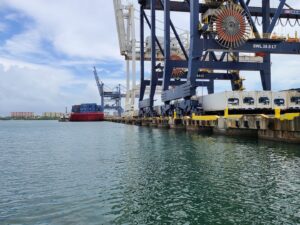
283	128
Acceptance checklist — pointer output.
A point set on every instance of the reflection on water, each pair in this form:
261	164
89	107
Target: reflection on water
105	173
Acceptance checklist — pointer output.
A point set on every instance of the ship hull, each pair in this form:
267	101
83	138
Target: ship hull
86	117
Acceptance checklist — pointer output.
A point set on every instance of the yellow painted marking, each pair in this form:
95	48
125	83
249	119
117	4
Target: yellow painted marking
289	116
227	116
233	117
277	113
226	112
205	118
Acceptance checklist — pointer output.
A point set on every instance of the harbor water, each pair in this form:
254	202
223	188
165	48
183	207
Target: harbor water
108	173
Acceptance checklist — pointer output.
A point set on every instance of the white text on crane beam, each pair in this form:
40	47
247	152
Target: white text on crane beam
264	46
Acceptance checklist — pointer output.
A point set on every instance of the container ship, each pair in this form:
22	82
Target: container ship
87	112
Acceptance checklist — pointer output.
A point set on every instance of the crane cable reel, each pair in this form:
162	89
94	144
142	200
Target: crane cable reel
230	25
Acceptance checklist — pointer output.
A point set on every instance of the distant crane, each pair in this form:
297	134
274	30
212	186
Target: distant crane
114	95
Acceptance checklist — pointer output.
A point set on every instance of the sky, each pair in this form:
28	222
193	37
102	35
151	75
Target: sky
48	49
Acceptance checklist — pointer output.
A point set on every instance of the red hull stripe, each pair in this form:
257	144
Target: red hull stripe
97	116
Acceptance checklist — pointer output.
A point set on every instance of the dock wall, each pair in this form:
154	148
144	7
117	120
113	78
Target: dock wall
284	129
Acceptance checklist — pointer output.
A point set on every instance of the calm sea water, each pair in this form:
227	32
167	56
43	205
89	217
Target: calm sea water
106	173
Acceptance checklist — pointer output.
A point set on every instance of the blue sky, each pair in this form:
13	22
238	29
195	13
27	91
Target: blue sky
48	49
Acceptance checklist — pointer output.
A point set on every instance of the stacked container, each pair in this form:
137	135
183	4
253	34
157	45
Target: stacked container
76	108
85	108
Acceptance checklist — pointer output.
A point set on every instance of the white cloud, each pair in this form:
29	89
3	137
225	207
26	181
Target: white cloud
285	72
28	42
29	87
38	88
76	28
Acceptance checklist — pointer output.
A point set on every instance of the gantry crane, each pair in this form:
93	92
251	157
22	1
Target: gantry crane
221	31
132	52
125	21
115	95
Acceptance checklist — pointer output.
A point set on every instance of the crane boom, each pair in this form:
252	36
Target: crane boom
125	22
100	87
120	25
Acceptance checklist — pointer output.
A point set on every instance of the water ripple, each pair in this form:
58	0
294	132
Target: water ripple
104	173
